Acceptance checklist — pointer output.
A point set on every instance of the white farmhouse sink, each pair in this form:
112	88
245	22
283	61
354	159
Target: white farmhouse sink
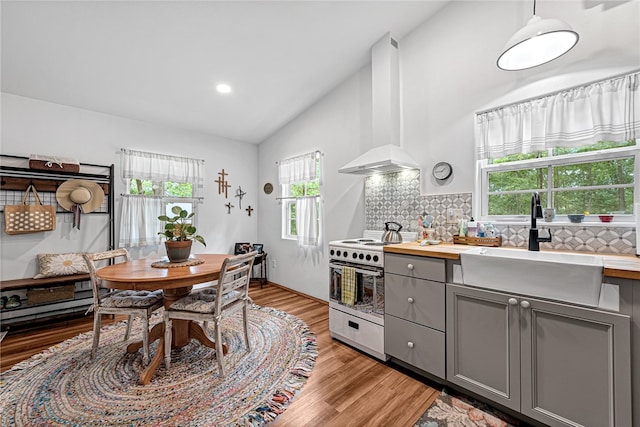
568	277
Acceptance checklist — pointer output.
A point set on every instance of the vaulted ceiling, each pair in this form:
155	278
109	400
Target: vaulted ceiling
159	61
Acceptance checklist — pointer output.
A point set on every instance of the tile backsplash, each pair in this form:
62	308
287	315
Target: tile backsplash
396	197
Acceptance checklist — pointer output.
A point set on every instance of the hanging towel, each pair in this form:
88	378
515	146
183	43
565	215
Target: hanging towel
348	285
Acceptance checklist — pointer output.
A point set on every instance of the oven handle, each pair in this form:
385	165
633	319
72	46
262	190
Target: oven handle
358	270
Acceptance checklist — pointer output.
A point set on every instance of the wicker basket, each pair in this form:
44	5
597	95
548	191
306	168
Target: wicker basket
52	294
478	241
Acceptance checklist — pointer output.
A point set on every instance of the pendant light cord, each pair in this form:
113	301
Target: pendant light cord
534	7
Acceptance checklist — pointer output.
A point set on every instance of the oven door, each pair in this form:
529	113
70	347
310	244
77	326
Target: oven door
369	292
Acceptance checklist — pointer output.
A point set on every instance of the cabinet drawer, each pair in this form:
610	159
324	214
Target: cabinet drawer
356	331
416	345
415	266
417	300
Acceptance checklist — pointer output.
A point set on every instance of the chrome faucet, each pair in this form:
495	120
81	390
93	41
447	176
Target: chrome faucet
536	212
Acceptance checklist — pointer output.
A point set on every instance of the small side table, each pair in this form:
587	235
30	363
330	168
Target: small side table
261	262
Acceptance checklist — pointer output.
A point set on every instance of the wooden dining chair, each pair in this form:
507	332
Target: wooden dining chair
131	303
205	304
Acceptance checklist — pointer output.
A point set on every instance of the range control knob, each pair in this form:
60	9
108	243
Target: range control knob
376	258
354	256
338	253
361	256
331	252
368	257
345	254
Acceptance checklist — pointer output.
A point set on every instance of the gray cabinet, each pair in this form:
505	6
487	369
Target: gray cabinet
483	344
562	365
415	311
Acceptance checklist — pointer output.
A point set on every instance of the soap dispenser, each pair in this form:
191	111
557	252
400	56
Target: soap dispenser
472	228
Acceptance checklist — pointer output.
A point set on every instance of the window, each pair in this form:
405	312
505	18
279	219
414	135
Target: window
170	193
300	180
156	183
575	147
597	178
290	194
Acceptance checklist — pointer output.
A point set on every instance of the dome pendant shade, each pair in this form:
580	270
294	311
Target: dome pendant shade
538	42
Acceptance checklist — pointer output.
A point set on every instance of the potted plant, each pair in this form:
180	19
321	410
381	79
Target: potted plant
180	234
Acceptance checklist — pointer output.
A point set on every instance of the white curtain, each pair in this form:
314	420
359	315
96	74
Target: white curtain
139	225
161	167
307	224
298	169
608	110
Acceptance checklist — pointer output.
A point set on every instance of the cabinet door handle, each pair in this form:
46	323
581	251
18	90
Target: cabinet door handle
525	304
410	344
410	300
410	266
513	301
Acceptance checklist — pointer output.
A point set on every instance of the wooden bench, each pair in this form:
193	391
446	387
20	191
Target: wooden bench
9	285
44	309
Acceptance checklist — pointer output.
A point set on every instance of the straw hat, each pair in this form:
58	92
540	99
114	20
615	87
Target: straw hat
87	194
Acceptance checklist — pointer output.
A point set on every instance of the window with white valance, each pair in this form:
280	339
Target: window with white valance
155	183
577	148
300	182
163	168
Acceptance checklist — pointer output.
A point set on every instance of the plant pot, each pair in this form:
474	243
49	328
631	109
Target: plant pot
178	251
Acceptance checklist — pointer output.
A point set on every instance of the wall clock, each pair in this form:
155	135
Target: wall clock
442	171
268	188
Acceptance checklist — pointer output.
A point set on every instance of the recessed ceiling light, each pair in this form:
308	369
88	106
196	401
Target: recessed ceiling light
223	88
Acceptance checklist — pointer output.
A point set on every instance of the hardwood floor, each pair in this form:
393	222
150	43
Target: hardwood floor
346	387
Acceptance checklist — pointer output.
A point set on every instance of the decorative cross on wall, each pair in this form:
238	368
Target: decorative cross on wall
240	194
249	210
226	189
223	184
229	206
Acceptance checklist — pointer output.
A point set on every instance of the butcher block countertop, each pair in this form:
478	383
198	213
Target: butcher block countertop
621	266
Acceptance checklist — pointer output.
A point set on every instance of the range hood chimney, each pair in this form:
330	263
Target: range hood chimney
387	155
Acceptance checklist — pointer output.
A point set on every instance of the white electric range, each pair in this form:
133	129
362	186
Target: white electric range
360	324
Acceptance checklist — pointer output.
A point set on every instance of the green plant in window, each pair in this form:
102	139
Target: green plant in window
179	227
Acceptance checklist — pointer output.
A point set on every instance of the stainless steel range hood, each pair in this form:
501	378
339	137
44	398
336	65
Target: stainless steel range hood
386	154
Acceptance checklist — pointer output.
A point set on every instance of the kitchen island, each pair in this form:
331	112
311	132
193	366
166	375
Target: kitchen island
557	363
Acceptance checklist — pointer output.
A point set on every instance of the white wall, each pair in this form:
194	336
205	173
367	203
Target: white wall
448	73
31	126
339	125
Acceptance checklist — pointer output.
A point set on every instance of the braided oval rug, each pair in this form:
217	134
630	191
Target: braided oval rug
62	386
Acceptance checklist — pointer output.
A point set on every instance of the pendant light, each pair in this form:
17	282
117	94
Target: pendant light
538	42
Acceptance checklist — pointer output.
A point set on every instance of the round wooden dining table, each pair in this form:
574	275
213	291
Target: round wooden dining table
176	282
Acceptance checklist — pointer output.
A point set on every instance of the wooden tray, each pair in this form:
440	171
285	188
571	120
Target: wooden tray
54	167
478	241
